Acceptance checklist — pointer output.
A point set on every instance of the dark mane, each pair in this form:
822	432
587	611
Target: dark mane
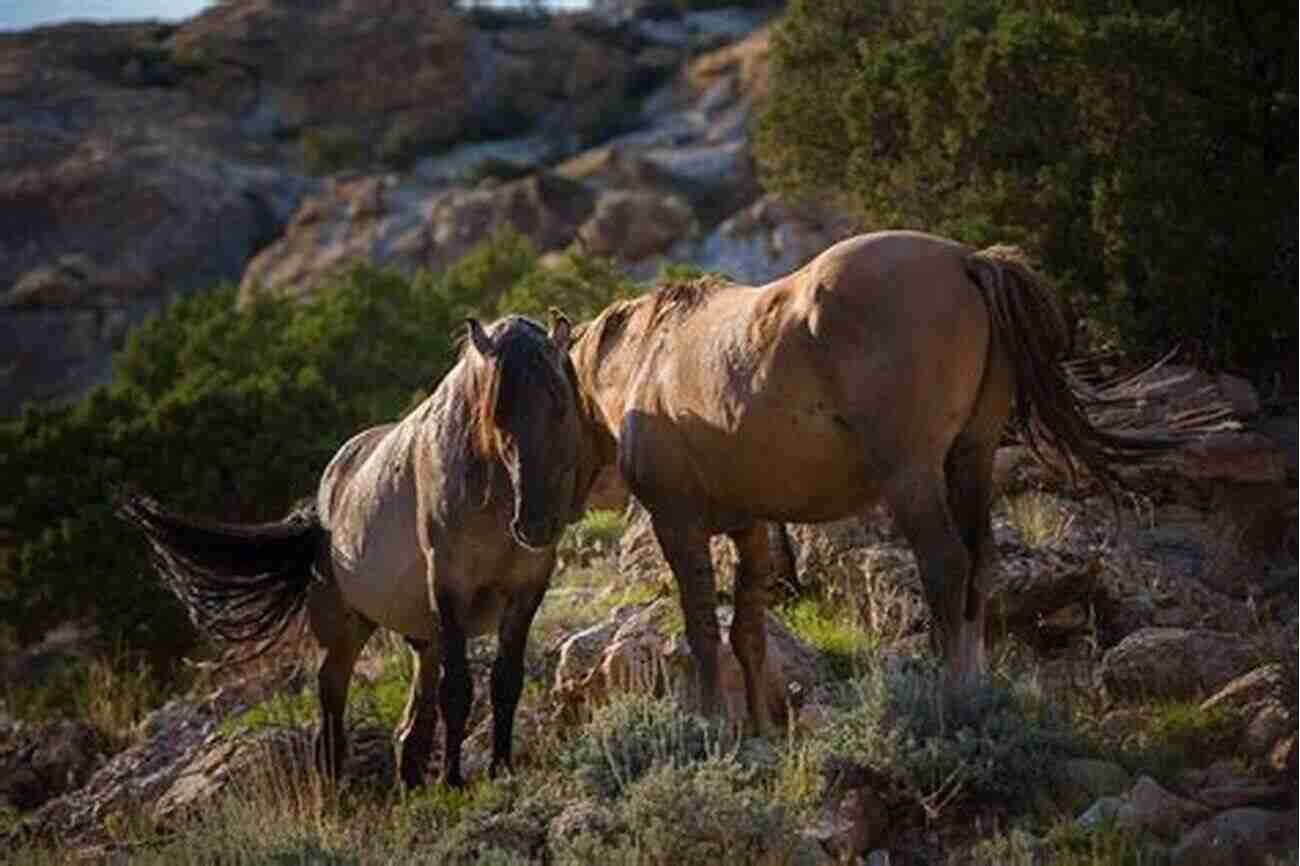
678	297
501	385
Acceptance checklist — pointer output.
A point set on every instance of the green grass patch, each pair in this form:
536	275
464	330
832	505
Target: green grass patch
601	525
1176	735
832	631
280	710
1069	844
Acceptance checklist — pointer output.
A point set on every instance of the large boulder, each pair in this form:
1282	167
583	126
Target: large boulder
771	238
1263	702
1239	837
1174	663
634	225
103	229
409	225
1147	807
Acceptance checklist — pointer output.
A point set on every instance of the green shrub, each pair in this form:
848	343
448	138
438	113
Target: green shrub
713	811
1146	153
479	279
992	745
1175	735
505	823
628	737
580	285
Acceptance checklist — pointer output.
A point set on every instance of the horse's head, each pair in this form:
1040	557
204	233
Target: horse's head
528	419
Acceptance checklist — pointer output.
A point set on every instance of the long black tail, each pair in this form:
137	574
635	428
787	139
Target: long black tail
239	582
1098	424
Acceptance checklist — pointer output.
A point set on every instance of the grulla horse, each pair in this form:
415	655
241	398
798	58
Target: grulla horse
440	527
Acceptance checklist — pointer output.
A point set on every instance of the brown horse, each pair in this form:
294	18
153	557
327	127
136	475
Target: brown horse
886	368
440	527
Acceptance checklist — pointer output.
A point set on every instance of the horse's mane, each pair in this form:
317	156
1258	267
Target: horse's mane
663	304
500	385
678	297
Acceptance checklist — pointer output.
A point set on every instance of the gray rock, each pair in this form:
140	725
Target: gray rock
647	653
40	762
1080	781
1239	837
1174	663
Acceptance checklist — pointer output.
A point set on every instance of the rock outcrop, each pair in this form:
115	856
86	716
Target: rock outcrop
143	161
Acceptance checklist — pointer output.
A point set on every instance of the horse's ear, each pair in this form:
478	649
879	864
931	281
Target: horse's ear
479	338
561	330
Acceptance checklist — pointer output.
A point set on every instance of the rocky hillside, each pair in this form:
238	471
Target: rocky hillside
268	142
1152	662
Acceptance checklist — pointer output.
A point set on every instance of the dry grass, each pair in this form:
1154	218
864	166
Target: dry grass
1040	518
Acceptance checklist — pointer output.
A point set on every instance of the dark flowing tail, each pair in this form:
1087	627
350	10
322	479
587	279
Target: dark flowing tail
1097	423
240	583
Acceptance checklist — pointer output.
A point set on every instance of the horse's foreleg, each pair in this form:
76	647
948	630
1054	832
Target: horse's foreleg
920	506
415	734
749	628
343	633
455	692
687	552
508	671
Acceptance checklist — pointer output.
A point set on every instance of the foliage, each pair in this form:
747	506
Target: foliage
627	738
504	824
830	629
711	811
580	285
479	279
598	531
989	745
1145	151
1171	735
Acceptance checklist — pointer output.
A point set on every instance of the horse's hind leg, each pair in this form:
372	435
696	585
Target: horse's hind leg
749	628
415	734
969	469
687	552
508	669
343	633
920	506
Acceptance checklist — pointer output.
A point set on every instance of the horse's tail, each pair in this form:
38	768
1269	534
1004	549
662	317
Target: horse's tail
240	583
1053	404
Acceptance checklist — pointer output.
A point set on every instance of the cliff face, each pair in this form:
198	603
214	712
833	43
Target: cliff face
270	141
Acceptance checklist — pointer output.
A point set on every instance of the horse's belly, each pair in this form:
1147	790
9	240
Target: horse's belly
396	599
805	467
382	573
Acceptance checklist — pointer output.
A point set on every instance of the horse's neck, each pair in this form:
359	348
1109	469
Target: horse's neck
602	389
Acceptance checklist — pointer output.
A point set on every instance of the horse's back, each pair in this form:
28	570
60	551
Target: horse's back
367	500
805	397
